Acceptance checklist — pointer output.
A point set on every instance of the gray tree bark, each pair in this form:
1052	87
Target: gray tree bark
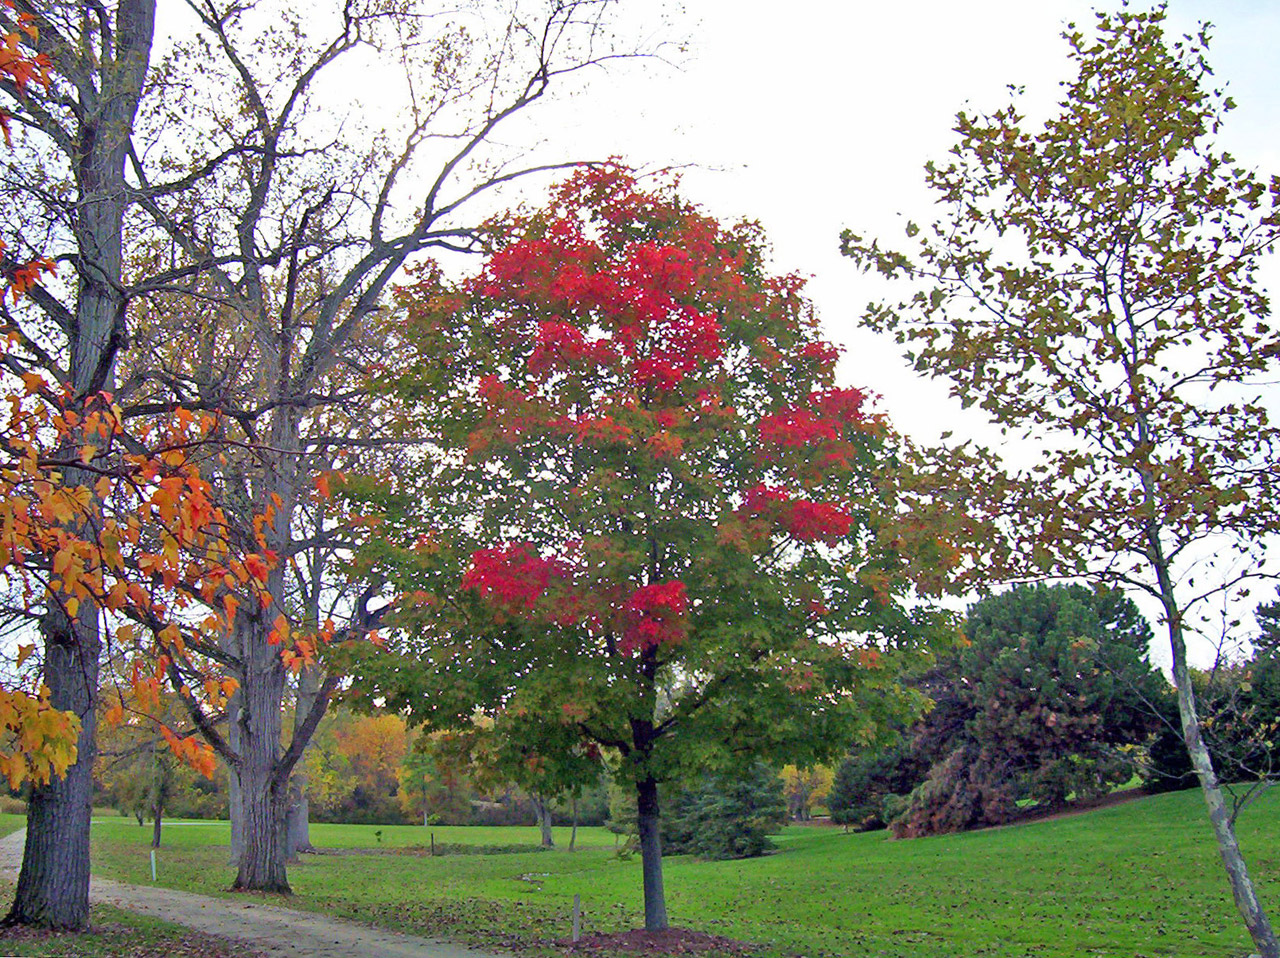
53	884
263	795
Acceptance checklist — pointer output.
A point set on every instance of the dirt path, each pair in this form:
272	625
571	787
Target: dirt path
277	932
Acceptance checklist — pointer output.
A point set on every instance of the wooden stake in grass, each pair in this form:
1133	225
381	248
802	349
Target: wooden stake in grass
577	917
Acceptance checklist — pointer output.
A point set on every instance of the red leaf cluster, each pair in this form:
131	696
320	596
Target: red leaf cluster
804	519
512	577
559	346
813	521
654	616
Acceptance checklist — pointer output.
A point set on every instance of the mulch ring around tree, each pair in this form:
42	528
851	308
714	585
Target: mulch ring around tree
669	941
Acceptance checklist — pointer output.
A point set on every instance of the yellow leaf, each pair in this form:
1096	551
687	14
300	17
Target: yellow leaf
61	561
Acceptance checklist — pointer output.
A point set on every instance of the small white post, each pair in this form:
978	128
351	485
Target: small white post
153	864
577	917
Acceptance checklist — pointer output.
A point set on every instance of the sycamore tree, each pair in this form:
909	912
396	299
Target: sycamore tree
645	518
1092	283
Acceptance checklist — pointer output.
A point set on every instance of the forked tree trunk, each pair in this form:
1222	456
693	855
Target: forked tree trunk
53	885
543	811
649	821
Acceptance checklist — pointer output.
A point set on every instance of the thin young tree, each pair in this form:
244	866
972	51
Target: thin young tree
1093	283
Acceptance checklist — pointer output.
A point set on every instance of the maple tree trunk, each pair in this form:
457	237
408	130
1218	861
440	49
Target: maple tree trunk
1242	888
298	815
262	866
53	885
649	821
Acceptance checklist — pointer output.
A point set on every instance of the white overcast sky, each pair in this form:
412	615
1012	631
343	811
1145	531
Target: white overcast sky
821	116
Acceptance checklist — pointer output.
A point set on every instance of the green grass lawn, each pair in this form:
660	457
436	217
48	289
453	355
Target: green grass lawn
1139	879
11	823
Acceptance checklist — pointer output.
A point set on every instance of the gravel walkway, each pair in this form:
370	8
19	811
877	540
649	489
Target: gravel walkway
278	932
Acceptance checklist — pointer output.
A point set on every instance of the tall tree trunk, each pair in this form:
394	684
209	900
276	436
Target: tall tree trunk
297	825
1242	888
263	792
53	884
263	784
649	821
298	815
573	833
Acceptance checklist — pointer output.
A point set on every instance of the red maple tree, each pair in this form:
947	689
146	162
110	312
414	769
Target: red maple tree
651	522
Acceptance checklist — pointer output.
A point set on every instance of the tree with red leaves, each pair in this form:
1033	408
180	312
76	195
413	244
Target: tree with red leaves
651	524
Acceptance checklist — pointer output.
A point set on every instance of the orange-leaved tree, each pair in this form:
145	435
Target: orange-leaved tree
646	519
107	535
38	740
